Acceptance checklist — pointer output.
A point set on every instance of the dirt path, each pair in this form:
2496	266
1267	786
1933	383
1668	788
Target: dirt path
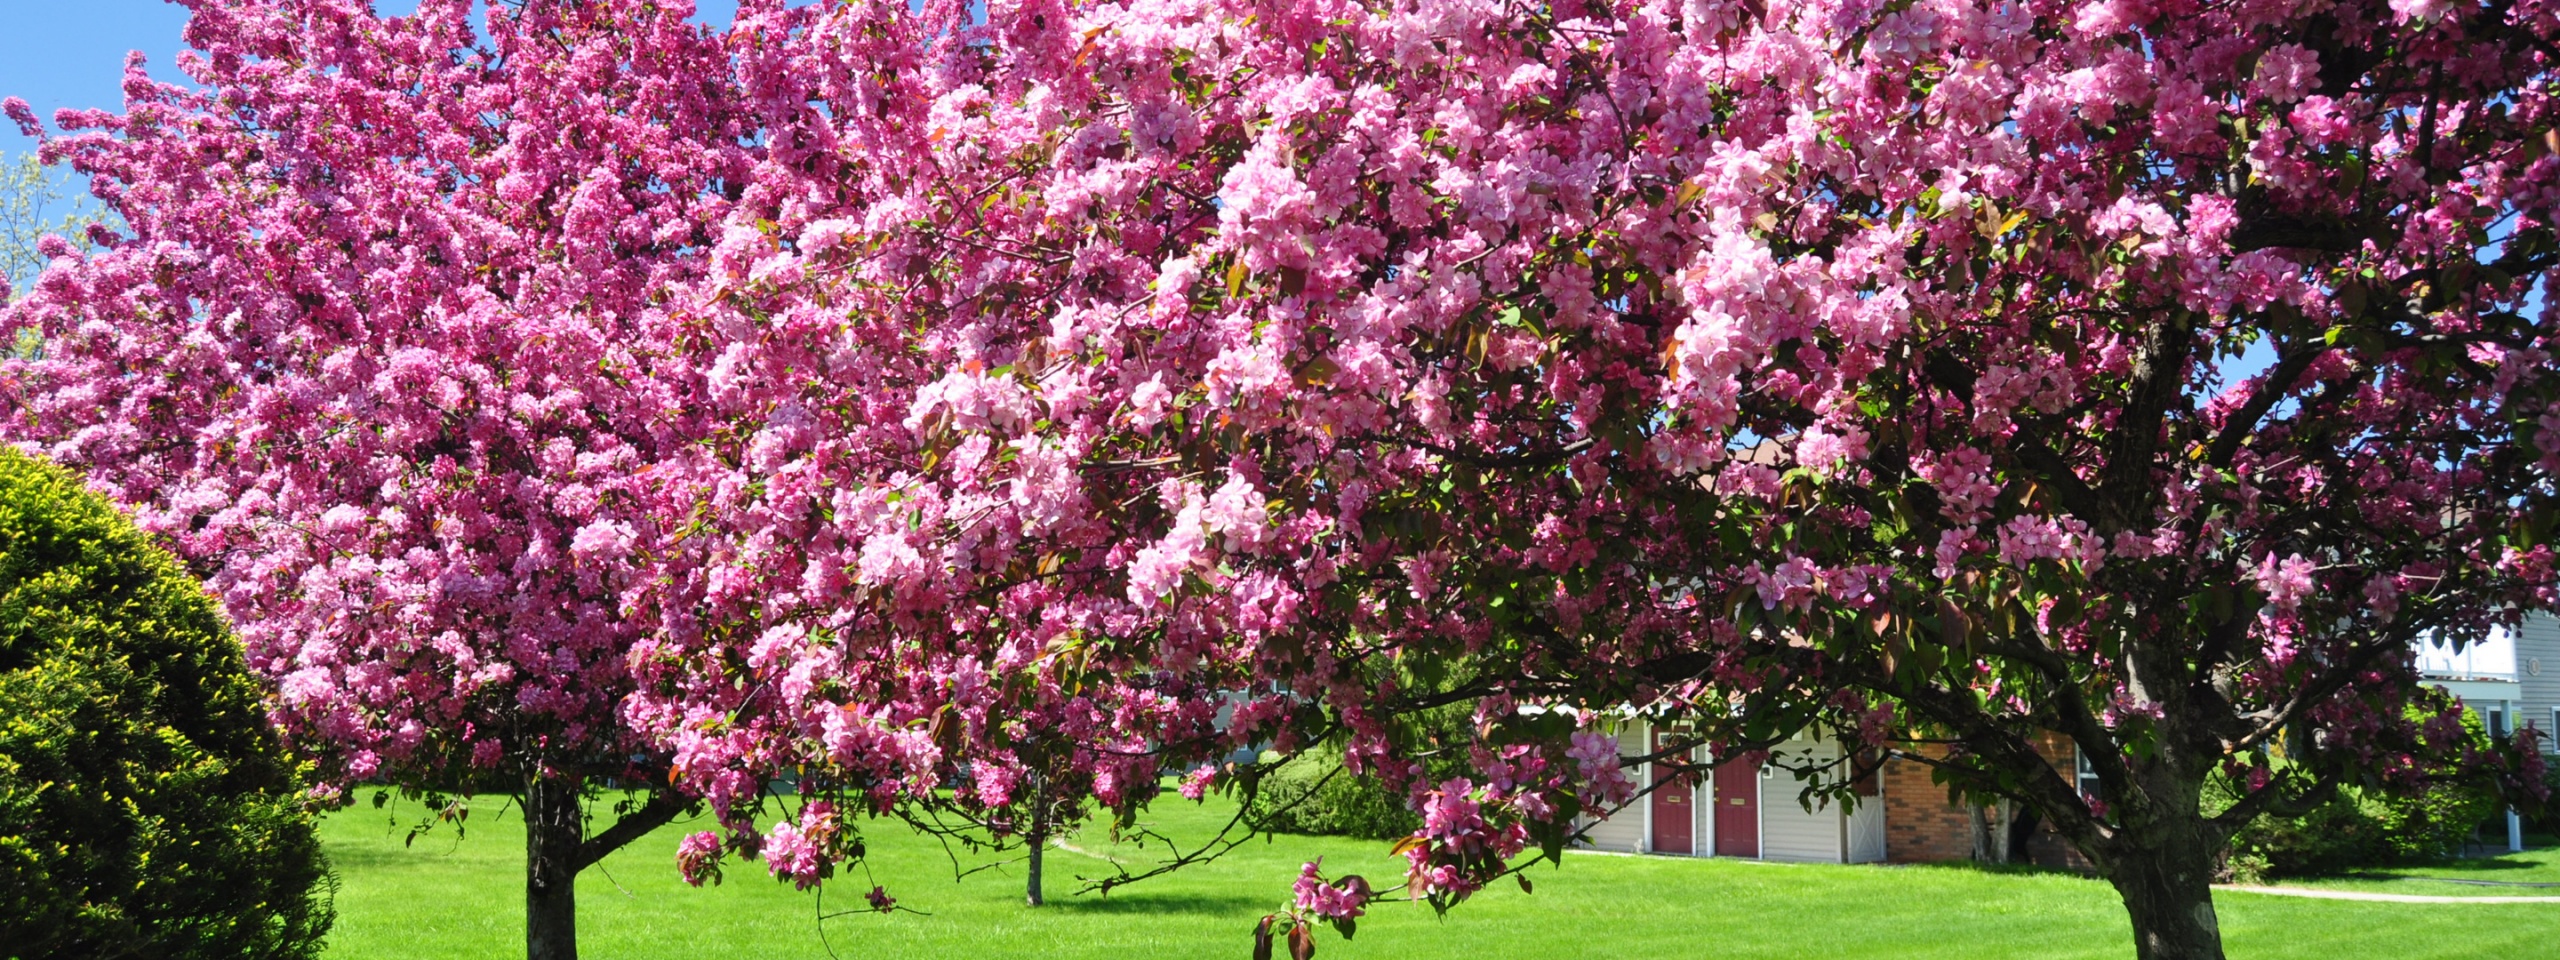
2376	897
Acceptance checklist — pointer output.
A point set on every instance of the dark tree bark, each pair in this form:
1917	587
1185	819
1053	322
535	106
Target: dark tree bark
2167	886
1038	837
557	848
1996	837
2153	842
554	829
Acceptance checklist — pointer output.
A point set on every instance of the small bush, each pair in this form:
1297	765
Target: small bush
2365	828
2547	820
1313	794
146	810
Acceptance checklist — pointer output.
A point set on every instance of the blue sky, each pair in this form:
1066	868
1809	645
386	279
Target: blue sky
70	53
58	54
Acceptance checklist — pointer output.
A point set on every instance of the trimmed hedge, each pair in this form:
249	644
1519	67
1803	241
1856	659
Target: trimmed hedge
146	809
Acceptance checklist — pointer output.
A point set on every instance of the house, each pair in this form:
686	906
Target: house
2537	675
1744	810
1756	812
2512	681
2486	677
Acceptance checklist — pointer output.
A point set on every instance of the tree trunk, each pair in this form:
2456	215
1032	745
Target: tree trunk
1039	834
2167	886
553	829
1039	839
1991	828
1978	817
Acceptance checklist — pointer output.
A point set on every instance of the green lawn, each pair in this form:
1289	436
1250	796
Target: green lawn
2539	863
463	899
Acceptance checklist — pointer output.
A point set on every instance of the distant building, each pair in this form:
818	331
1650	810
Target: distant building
2512	679
2491	690
2537	663
2517	689
1754	811
1748	811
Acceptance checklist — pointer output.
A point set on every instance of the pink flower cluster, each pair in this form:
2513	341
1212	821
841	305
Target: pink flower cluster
1605	783
1330	899
1458	850
698	857
803	850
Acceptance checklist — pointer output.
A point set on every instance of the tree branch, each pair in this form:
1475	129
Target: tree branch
664	805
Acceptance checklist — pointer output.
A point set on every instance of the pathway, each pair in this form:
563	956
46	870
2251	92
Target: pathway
2378	897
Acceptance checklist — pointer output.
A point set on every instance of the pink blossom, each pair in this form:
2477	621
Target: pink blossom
1236	515
2286	582
1330	900
2285	73
1195	785
698	857
1826	451
799	850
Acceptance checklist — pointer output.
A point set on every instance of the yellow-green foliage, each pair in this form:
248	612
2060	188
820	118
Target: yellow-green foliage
145	808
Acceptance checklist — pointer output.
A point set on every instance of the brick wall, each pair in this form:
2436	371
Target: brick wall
1920	826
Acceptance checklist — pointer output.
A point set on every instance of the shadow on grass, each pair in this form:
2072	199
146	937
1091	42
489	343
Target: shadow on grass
363	859
1158	904
436	851
2490	865
1996	869
2486	866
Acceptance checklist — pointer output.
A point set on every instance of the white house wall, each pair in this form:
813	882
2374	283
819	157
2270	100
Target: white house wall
1863	831
1626	831
1787	830
2538	674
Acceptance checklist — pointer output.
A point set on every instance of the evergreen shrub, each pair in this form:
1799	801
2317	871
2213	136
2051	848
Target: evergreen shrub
146	809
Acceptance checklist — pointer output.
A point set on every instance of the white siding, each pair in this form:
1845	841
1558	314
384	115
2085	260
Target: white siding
1865	829
2538	674
1625	832
1787	830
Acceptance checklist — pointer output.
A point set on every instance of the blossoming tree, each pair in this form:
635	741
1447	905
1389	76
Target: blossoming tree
371	353
923	402
2149	373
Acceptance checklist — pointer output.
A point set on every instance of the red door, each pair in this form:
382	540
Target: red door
1738	809
1673	820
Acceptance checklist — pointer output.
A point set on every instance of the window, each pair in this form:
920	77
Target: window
2496	719
2088	776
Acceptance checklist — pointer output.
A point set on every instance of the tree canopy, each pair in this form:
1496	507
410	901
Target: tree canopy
368	350
1145	380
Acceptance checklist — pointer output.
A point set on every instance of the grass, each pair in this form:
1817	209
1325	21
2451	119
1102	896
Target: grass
449	898
2538	863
